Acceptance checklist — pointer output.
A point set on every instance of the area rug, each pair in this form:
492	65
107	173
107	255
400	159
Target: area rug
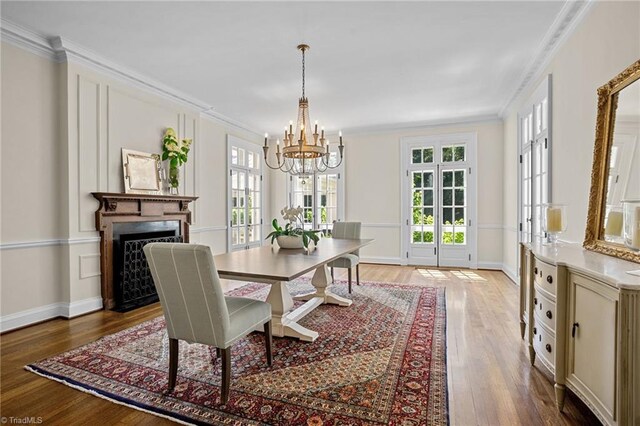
380	361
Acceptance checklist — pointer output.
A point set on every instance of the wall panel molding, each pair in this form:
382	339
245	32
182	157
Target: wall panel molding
62	50
381	225
89	143
89	265
48	243
208	229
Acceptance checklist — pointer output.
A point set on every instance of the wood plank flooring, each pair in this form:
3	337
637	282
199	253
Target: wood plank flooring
491	381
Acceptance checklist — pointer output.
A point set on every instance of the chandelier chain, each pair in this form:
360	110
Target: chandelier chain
303	73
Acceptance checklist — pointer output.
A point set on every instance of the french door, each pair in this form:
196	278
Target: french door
245	195
439	200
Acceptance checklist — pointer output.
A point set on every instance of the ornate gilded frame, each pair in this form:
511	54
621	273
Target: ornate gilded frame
607	102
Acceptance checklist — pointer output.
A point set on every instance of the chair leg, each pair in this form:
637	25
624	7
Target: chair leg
173	363
358	274
267	342
349	280
226	375
333	280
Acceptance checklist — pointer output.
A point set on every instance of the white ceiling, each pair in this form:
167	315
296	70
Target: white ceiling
370	63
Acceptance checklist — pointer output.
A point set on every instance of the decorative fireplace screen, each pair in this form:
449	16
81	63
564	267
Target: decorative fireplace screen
137	288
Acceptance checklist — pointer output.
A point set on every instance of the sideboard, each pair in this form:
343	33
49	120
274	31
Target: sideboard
580	315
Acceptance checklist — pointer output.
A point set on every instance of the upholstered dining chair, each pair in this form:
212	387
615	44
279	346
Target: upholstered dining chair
349	231
195	308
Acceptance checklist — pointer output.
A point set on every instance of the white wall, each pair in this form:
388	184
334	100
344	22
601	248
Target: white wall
31	176
605	43
69	123
372	189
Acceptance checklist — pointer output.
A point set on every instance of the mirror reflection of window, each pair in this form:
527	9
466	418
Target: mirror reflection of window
623	180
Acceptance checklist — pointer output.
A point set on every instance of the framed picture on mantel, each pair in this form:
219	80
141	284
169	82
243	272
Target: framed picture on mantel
141	171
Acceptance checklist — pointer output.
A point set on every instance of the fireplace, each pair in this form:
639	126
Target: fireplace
132	282
126	223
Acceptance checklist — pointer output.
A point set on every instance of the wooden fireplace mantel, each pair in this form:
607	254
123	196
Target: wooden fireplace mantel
119	208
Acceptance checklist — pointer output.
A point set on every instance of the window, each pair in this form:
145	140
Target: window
320	196
245	194
534	141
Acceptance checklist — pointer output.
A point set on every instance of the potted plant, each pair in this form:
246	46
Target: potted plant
293	235
176	152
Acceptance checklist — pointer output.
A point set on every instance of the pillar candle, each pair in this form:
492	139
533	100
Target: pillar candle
614	224
554	219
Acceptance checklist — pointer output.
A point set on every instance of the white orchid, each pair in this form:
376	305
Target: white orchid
295	227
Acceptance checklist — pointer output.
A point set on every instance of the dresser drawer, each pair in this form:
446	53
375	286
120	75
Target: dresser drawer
544	275
544	343
544	310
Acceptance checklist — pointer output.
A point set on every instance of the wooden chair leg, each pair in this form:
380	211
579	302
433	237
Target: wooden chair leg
173	363
226	375
333	280
349	280
358	274
267	342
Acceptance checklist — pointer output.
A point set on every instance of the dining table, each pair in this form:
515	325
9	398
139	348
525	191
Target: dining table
276	266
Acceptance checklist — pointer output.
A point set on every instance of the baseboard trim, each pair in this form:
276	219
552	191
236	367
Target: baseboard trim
47	312
381	260
490	265
510	273
82	307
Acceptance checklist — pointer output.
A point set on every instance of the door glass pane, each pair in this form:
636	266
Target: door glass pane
422	229
427	155
447	154
234	155
416	156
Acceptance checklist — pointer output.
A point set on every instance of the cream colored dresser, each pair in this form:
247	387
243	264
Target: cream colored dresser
580	314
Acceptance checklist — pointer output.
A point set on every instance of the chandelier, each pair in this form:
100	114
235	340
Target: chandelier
303	153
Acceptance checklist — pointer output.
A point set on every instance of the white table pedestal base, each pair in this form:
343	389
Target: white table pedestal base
321	281
284	320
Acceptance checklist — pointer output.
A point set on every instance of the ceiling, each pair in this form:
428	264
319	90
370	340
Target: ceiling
371	64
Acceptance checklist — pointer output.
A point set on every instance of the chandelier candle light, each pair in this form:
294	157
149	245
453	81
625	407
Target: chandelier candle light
303	153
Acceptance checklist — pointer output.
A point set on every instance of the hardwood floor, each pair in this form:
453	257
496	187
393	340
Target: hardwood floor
491	381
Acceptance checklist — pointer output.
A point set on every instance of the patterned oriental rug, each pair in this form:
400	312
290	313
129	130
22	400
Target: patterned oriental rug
380	361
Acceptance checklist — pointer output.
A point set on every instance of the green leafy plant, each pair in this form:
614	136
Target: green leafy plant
176	152
294	227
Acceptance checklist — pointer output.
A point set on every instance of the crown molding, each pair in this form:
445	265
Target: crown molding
59	49
74	53
571	14
223	119
26	39
416	125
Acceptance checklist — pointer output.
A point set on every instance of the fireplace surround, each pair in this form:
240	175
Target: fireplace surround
137	217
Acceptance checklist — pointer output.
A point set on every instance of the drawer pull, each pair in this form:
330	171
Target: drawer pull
548	348
574	328
549	279
535	300
549	314
535	270
535	330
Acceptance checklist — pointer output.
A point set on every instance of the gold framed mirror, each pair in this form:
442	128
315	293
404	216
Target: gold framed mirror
615	176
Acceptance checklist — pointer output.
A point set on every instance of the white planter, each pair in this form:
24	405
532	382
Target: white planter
290	241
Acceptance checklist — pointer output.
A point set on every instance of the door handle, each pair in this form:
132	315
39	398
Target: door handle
574	328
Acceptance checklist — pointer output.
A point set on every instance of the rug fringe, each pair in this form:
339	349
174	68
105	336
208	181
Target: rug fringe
99	395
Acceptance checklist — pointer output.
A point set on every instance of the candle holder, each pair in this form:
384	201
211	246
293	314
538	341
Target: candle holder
554	221
631	219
